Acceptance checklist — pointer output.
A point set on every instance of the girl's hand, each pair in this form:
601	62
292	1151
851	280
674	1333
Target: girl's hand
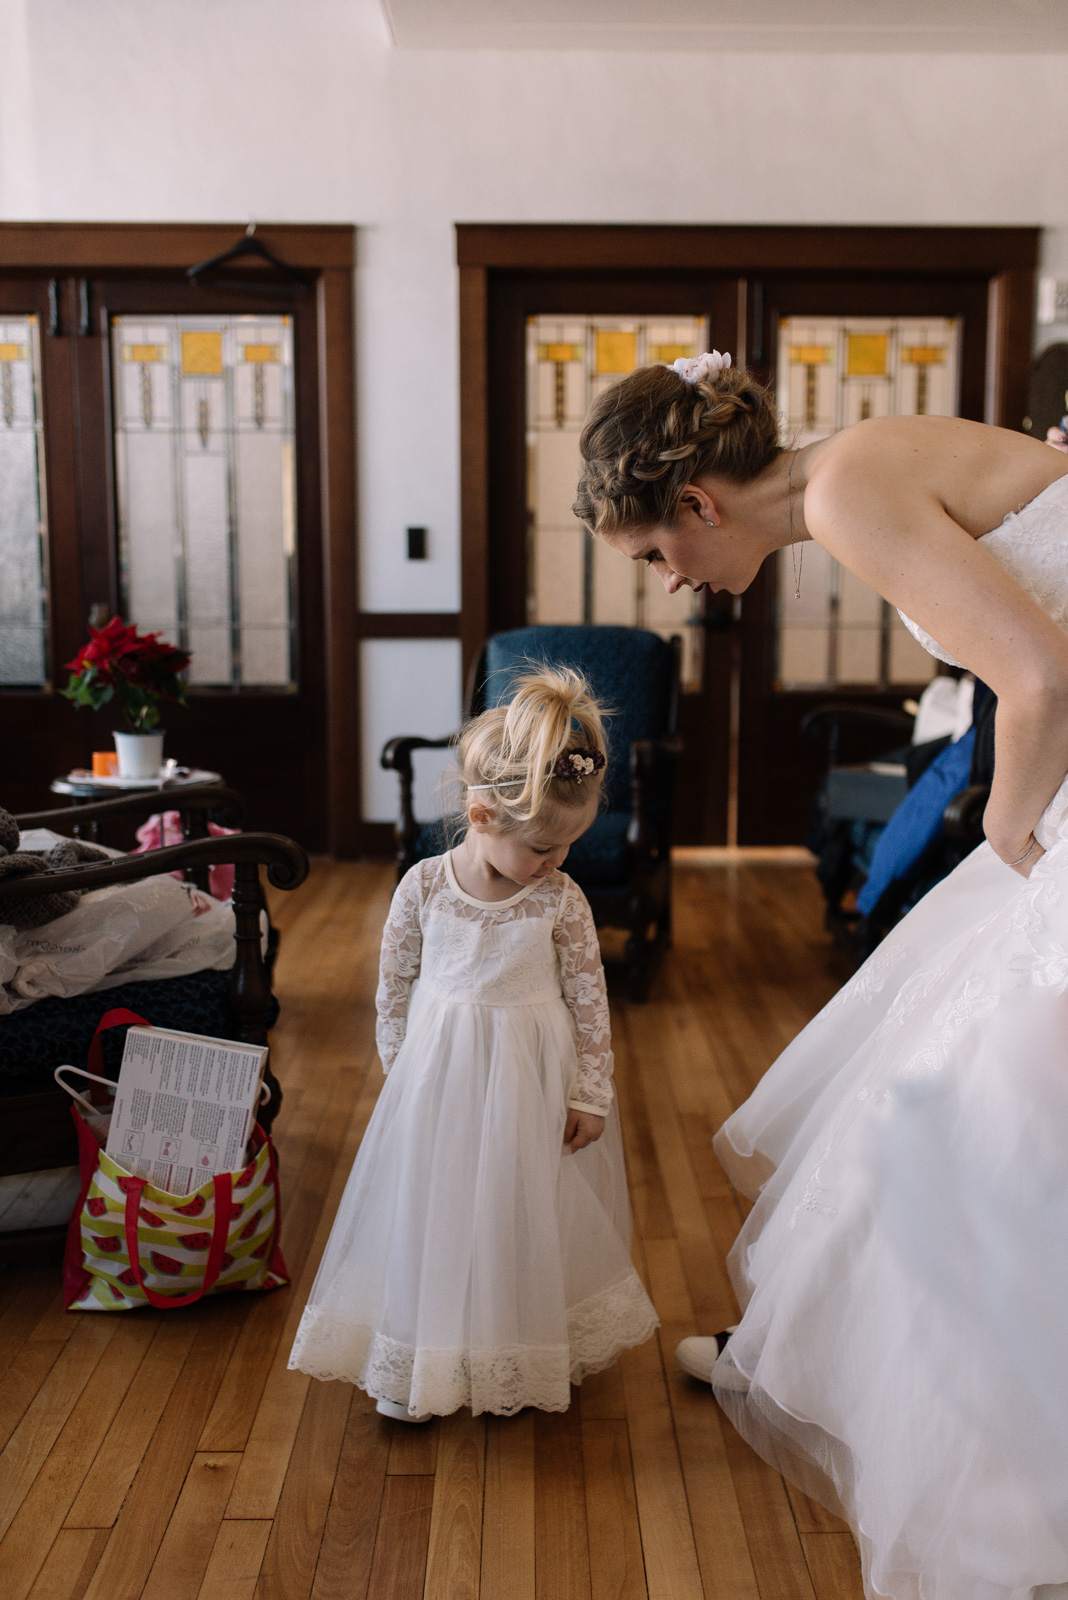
581	1129
1058	439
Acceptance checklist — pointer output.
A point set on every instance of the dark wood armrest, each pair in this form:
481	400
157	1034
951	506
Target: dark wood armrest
397	757
194	802
963	816
829	720
644	756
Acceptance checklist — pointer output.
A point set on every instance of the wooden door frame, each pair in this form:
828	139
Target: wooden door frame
326	253
1006	257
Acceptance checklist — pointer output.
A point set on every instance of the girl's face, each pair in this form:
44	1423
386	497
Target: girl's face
528	854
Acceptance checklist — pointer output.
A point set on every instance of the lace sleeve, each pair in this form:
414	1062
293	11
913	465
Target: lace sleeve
402	947
582	984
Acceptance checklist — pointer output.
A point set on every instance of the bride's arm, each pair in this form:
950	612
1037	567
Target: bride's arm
894	535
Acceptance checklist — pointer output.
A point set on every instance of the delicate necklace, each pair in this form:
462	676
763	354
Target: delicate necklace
798	564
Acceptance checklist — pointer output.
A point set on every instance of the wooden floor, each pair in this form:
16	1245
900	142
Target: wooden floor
174	1457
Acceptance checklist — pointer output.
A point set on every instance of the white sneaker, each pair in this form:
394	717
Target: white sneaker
399	1413
698	1356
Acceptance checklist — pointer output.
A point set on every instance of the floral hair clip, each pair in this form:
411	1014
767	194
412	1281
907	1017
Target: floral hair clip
695	369
578	764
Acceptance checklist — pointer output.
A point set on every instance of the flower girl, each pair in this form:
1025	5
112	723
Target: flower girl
481	1252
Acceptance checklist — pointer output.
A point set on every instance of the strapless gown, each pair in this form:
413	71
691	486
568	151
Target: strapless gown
903	1354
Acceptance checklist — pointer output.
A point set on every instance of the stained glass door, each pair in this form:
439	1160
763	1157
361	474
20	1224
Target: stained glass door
836	350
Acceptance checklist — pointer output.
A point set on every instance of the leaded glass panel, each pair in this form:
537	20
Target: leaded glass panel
23	537
834	371
572	578
205	449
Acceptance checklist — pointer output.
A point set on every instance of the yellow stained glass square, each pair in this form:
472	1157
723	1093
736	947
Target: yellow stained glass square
616	351
670	353
866	354
13	352
810	355
559	352
202	353
924	355
261	352
144	354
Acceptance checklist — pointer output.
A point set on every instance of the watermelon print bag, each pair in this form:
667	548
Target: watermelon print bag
129	1244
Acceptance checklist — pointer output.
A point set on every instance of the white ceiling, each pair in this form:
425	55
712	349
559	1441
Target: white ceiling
901	25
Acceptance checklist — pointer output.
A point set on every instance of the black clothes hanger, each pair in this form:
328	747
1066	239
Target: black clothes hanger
205	272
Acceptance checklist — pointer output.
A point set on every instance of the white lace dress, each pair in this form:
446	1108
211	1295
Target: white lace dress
903	1354
473	1261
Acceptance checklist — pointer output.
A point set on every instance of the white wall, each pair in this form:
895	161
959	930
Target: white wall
301	110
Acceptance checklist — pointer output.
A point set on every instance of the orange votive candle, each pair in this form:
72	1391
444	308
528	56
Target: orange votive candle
105	763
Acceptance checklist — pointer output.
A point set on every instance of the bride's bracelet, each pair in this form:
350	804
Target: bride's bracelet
1030	849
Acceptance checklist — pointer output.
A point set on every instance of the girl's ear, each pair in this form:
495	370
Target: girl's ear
479	814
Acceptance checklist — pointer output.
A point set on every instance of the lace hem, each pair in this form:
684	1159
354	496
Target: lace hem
502	1381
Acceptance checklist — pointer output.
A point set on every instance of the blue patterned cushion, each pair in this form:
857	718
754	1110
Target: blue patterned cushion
602	855
52	1032
629	670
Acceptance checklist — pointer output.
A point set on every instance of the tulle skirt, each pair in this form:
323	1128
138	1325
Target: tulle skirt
903	1355
473	1261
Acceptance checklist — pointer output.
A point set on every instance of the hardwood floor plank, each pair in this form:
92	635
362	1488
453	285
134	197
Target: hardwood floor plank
414	1449
811	1517
508	1508
603	1396
288	1569
348	1542
399	1564
70	1564
455	1550
115	1465
28	1447
834	1563
774	1543
182	1559
652	1215
36	1525
561	1545
234	1564
30	1368
141	1524
274	1428
671	1567
35	1290
617	1568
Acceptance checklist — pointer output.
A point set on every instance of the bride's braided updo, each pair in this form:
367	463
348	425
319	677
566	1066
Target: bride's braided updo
652	433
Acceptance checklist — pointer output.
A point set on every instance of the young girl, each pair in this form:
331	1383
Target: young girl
481	1252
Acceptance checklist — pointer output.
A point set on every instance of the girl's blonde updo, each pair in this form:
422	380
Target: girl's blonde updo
652	433
510	754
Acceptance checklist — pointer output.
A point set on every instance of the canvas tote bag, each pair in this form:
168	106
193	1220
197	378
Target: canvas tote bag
129	1244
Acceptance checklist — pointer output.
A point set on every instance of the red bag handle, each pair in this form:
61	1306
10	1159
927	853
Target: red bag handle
95	1059
223	1197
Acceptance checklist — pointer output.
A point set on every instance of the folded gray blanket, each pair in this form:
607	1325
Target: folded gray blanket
16	863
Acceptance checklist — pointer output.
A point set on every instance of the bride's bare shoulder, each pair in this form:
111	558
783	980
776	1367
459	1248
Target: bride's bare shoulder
884	445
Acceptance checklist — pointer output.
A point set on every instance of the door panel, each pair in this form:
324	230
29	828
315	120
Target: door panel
551	335
779	771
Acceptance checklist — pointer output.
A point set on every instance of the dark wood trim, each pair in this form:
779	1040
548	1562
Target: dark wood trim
408	624
93	246
1010	337
337	408
559	247
474	461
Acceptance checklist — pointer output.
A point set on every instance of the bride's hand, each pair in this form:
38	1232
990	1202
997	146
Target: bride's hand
1030	855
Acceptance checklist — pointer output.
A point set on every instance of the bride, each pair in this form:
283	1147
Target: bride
903	1350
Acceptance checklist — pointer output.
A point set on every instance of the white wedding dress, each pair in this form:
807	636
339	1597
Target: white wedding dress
473	1261
903	1354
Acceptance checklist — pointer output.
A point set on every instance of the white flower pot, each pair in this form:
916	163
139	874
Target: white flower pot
140	754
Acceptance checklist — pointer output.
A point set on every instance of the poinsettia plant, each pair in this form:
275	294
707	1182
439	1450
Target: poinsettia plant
137	669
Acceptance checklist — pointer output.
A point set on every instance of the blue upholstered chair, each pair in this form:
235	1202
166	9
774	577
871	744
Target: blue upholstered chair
623	863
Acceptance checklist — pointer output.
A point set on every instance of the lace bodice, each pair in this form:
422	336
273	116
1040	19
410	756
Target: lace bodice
1032	546
539	945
